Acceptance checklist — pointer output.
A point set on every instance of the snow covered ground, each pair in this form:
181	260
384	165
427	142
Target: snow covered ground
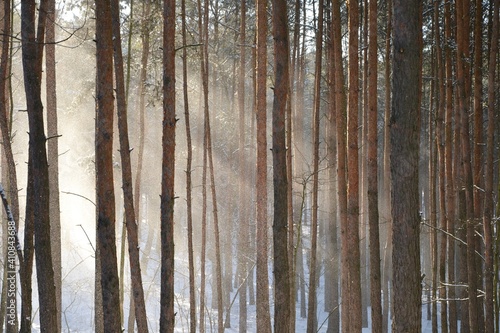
78	292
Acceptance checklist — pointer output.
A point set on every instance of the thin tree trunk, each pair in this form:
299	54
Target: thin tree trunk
440	135
312	321
208	146
263	311
204	175
406	82
280	241
243	212
32	66
351	276
167	314
463	85
10	166
141	106
340	105
450	172
432	207
192	291
478	154
53	155
386	192
372	170
126	166
489	272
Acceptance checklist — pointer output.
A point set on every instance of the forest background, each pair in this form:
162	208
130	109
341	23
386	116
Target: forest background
334	166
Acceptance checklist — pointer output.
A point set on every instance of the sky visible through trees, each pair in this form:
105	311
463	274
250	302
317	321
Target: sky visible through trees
249	166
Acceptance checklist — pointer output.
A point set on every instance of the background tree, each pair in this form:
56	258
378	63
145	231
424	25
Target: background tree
312	321
192	292
243	236
130	218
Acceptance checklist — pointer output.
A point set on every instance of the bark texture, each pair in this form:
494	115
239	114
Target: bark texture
280	220
405	119
167	313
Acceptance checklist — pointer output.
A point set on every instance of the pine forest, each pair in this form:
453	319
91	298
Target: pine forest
249	166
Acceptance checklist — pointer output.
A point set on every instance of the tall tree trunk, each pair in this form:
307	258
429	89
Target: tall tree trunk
126	166
53	154
204	174
332	257
432	205
141	106
203	28
478	154
32	66
263	312
280	241
450	170
340	105
243	212
440	135
406	82
386	172
189	145
463	85
489	272
106	242
167	314
10	166
372	170
312	321
351	275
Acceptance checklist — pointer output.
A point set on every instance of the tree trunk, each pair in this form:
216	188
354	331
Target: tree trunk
10	166
32	66
141	106
386	180
243	212
263	312
192	290
332	257
312	321
126	166
372	170
489	271
463	85
450	170
340	105
351	275
204	174
167	314
406	82
26	269
441	144
106	242
280	241
53	154
478	155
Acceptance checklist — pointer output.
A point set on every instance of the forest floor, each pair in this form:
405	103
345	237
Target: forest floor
78	306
